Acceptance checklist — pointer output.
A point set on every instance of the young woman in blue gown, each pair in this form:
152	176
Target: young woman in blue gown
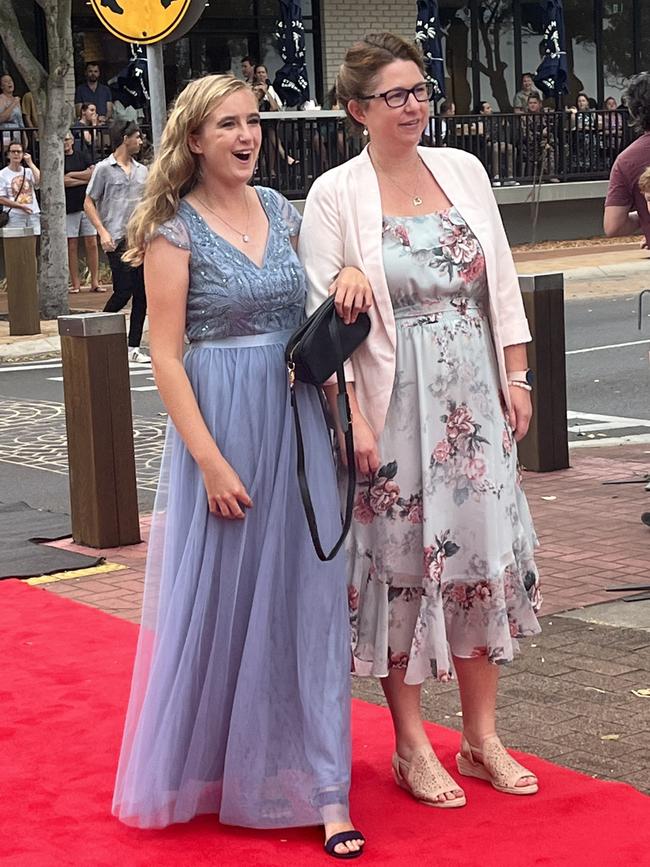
240	696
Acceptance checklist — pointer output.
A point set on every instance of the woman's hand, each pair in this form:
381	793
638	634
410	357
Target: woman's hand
365	447
353	294
226	493
521	411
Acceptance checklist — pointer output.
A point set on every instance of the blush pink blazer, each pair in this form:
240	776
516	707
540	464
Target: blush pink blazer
342	226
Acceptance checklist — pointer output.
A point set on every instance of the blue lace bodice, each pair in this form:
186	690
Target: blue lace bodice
228	294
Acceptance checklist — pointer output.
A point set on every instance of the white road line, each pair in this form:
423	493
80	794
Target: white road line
137	371
145	388
606	346
611	421
53	366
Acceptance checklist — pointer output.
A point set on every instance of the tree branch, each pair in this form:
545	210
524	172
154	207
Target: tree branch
14	41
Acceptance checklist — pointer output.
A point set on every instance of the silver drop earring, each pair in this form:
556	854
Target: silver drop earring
365	132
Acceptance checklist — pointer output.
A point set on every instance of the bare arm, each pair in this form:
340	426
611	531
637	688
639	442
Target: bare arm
365	441
105	238
12	203
619	220
36	172
521	406
5	114
167	279
83	176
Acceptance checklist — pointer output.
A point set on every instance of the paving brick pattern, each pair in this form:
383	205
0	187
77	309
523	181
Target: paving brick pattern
568	697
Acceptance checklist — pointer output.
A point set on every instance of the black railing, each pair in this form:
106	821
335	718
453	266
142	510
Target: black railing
297	147
514	148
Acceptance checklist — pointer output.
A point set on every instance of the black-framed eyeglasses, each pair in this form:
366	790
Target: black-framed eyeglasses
398	96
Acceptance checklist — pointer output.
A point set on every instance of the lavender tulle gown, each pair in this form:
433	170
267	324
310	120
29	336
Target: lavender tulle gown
240	697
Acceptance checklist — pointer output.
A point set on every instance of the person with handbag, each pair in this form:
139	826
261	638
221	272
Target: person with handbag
240	699
442	575
18	184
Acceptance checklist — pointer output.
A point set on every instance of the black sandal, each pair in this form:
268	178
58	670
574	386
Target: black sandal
344	837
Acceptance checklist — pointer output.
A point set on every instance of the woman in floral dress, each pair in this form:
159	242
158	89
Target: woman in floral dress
442	575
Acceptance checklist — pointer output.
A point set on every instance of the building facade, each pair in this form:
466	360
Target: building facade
487	44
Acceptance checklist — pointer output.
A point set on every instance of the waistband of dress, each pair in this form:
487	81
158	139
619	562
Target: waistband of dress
245	340
435	307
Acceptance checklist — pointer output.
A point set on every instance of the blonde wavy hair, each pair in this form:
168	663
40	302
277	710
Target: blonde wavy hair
176	169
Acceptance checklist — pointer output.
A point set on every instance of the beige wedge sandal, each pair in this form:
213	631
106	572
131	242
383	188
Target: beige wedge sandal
426	779
494	764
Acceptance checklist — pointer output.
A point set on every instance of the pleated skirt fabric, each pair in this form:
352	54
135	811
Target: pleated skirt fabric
240	698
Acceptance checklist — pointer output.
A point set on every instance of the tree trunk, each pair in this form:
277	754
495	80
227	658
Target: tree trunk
53	275
55	115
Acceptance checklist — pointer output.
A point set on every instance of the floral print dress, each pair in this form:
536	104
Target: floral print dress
441	548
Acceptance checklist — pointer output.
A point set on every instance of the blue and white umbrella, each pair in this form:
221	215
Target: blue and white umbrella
291	82
553	72
427	33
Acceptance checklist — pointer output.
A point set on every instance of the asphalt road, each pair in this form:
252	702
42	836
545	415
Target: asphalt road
608	375
608	367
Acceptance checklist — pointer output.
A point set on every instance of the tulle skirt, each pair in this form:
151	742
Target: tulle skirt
240	696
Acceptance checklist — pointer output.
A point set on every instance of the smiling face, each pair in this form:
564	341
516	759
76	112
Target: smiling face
393	127
527	83
228	141
582	103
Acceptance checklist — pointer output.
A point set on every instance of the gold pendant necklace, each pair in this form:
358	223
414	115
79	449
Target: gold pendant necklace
415	198
244	235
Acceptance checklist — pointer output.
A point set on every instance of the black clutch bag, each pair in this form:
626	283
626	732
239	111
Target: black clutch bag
316	351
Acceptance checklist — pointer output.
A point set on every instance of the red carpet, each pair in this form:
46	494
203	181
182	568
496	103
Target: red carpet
63	690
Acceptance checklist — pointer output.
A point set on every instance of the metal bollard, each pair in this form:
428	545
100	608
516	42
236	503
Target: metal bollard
99	424
546	446
22	291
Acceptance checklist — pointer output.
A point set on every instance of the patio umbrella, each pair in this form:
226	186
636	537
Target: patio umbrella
291	82
427	33
553	72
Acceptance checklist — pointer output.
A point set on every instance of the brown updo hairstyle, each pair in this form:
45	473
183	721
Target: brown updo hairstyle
363	62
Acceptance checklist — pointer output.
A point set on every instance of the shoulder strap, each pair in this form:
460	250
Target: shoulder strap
346	422
22	184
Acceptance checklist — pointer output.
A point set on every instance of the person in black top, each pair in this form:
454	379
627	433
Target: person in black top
78	170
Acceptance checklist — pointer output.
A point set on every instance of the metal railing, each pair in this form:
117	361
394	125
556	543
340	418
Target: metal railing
299	146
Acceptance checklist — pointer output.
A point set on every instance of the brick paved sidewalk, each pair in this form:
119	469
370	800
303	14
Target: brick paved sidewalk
569	695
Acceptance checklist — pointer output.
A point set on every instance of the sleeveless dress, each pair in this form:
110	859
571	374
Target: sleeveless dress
240	697
441	549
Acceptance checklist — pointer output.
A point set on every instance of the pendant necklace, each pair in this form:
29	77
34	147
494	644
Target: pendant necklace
415	198
244	235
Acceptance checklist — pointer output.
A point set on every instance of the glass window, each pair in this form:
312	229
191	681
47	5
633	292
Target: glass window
618	51
497	54
456	21
645	35
580	44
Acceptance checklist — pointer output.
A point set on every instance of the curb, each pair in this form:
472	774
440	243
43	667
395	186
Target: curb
37	349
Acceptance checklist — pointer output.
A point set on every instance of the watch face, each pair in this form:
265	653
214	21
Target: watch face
530	376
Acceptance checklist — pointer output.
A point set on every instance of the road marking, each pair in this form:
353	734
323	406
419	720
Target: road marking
606	346
100	569
19	367
609	420
133	367
133	371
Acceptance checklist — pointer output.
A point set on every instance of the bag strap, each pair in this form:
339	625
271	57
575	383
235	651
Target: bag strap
20	189
346	422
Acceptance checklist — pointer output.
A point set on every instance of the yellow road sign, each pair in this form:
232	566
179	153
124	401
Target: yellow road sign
148	21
